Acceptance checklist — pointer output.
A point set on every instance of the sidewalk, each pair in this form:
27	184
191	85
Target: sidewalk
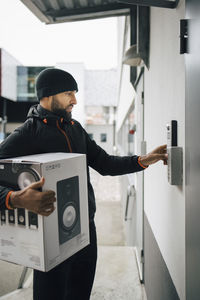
117	274
108	218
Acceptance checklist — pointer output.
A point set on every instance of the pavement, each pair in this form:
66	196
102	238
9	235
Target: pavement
117	274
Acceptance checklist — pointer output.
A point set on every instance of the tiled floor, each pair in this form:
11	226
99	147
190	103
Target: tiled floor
117	274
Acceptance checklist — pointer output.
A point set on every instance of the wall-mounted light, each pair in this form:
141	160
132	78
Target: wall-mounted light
132	57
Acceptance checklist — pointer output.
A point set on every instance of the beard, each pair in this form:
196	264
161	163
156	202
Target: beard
59	111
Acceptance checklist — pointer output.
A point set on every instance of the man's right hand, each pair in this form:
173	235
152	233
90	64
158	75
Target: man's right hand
34	200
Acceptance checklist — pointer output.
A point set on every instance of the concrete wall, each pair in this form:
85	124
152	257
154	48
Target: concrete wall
165	101
96	130
126	91
8	75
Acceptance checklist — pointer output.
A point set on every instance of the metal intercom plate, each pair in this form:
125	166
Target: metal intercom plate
175	155
175	165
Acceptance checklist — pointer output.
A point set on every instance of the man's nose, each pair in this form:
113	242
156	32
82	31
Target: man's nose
74	101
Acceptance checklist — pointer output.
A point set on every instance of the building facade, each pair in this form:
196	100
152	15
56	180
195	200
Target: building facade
155	210
96	97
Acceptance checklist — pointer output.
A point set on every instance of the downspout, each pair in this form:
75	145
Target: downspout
4	116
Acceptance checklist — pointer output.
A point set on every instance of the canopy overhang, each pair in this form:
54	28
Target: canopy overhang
58	11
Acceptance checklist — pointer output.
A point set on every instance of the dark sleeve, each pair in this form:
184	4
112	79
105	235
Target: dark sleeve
107	164
16	144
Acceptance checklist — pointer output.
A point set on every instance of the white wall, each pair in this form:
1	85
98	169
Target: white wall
8	75
165	101
126	91
77	71
96	130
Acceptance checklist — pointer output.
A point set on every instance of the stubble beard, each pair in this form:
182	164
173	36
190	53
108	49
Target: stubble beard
58	110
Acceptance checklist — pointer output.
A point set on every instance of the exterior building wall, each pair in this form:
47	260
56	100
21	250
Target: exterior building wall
97	130
98	96
164	100
126	92
124	142
8	75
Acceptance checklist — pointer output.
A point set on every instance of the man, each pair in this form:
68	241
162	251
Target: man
50	128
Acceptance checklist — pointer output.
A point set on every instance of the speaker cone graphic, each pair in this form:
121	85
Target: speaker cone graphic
69	217
26	177
68	208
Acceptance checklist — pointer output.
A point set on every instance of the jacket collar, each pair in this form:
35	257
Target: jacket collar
50	118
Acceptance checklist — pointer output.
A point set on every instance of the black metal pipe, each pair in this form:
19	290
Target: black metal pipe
4	117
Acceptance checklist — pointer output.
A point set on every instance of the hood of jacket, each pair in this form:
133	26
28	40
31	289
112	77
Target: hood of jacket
39	112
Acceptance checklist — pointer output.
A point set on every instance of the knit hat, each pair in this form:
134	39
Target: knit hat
52	81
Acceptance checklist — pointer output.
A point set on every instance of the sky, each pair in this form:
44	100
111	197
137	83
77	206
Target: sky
34	43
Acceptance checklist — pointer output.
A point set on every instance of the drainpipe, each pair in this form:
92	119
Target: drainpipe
114	129
4	118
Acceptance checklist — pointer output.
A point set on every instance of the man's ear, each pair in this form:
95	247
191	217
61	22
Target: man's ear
46	102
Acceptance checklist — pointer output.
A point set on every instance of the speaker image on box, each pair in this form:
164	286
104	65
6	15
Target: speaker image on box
19	176
68	208
37	241
26	176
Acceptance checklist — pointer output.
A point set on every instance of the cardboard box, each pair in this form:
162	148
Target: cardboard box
42	242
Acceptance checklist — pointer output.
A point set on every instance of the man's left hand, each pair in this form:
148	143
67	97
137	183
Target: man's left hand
160	153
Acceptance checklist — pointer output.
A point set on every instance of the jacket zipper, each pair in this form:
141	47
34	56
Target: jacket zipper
63	132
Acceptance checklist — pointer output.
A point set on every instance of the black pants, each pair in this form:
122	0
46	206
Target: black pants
72	279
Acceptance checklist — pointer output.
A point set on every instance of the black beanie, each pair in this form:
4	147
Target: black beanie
53	81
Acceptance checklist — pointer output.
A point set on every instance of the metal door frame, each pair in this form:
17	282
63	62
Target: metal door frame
140	253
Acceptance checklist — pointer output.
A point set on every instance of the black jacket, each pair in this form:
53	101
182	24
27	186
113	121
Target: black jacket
45	132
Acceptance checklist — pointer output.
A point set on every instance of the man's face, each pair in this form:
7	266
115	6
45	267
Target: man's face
63	102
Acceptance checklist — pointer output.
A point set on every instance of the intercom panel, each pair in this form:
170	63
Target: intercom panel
172	138
175	155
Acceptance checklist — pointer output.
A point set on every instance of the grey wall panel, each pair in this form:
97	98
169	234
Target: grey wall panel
158	282
192	152
164	204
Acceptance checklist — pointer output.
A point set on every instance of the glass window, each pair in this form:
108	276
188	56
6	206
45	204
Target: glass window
26	82
103	137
